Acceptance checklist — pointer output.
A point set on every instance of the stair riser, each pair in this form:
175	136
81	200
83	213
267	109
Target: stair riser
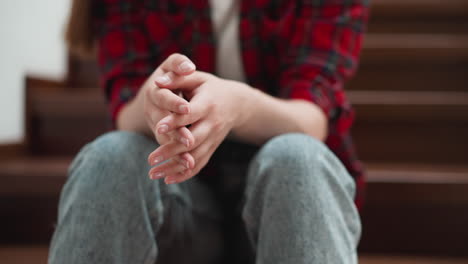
398	218
404	225
65	136
419	143
407	77
27	220
376	141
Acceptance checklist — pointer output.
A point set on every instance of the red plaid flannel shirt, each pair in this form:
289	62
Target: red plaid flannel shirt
299	49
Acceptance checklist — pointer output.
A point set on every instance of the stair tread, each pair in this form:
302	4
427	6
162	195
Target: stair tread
419	8
93	98
409	97
63	103
414	48
14	254
57	166
15	172
35	166
59	163
33	176
417	173
389	259
422	196
411	106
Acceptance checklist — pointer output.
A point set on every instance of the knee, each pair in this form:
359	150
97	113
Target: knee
293	162
292	152
108	164
116	147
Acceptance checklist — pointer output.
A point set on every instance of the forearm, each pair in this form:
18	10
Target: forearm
265	116
131	117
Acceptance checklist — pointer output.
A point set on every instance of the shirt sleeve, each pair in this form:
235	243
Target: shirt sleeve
123	51
322	45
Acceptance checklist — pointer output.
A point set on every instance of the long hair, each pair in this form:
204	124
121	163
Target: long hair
79	34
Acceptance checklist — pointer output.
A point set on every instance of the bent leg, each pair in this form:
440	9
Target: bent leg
111	212
299	204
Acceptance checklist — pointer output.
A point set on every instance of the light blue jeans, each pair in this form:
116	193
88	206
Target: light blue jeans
295	205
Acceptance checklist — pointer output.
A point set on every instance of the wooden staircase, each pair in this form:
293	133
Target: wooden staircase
411	98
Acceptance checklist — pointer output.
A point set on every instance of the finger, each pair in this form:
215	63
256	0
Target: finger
173	81
166	100
178	64
166	170
166	138
186	137
200	132
166	151
203	153
171	167
177	178
157	157
199	108
183	135
189	158
191	138
153	115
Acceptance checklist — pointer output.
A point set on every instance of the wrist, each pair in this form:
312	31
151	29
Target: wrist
245	106
131	115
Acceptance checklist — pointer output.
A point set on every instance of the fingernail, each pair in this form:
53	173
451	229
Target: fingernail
157	160
185	163
184	141
184	109
164	79
163	129
157	175
170	180
186	66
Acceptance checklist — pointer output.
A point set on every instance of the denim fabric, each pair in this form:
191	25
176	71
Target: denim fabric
293	199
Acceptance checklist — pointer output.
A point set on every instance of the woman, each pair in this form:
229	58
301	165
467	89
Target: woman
222	141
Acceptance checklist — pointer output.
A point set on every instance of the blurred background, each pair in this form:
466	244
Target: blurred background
410	94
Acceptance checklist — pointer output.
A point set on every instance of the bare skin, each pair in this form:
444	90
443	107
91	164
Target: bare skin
213	107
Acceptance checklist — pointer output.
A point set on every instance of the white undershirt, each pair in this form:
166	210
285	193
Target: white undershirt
225	18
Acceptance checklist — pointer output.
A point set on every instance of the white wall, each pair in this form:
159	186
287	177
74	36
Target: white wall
31	41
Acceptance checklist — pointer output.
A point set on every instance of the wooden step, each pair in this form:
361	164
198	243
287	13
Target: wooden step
411	127
391	126
391	259
412	62
33	176
419	16
456	25
29	194
415	49
410	208
20	254
61	122
399	9
416	209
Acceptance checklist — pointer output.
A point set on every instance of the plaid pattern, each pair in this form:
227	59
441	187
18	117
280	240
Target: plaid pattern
303	49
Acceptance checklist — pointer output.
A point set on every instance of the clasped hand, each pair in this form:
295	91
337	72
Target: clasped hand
194	124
